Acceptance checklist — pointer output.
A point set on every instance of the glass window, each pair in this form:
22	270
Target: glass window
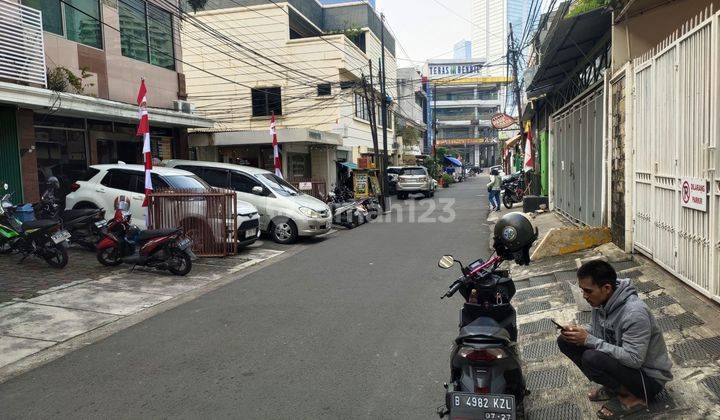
324	89
278	184
136	181
187	182
265	101
361	109
117	180
158	183
60	153
133	29
160	34
413	171
197	170
216	177
242	183
51	14
82	22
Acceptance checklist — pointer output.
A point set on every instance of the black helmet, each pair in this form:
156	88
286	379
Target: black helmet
514	235
53	183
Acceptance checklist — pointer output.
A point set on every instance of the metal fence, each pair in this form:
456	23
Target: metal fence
22	51
318	189
675	133
578	156
209	218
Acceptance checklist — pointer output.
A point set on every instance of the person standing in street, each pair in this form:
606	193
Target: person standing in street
494	190
623	347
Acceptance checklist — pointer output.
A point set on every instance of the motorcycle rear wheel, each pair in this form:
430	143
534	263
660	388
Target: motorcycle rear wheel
55	255
180	263
508	201
109	257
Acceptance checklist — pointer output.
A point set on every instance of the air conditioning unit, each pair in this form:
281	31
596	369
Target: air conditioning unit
184	106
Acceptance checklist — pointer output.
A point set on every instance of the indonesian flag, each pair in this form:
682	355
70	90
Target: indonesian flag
529	159
144	131
276	150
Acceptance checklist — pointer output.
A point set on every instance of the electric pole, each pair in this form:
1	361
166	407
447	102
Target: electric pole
434	122
384	110
512	52
370	103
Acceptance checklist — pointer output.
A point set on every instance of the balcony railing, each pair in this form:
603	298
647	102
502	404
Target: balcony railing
22	51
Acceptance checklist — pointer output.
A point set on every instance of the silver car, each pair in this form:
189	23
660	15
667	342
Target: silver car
415	179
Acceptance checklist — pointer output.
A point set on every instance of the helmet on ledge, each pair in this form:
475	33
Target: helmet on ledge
513	236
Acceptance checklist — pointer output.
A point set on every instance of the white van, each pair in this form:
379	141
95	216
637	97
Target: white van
285	212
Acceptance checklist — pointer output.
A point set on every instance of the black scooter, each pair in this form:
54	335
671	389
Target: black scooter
486	380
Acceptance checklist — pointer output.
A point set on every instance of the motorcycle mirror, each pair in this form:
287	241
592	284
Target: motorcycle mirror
6	187
446	261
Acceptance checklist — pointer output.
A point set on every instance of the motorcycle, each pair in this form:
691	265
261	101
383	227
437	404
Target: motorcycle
349	214
372	206
85	225
165	249
512	192
42	238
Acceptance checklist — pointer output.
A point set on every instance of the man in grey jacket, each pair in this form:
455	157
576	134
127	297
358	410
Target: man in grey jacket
622	349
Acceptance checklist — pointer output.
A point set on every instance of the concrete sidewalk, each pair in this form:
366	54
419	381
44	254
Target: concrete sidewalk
71	308
547	289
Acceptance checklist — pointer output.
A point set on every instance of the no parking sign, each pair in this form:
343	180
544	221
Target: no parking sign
693	193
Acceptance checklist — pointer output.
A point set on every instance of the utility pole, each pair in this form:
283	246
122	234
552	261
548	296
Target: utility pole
370	103
383	93
434	122
512	52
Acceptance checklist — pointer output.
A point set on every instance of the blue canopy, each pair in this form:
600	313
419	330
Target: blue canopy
349	165
454	161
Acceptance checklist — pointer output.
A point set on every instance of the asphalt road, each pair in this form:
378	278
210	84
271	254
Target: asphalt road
351	327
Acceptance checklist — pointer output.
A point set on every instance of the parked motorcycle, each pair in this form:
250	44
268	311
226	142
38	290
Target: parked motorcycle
512	193
42	238
349	214
166	249
85	225
486	380
372	206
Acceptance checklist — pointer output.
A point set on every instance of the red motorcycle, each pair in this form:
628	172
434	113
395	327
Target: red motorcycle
166	249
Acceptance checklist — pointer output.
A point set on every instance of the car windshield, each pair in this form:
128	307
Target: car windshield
394	170
412	171
186	182
278	184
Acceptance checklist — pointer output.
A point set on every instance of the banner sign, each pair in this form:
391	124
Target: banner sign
305	186
502	121
694	193
463	142
453	69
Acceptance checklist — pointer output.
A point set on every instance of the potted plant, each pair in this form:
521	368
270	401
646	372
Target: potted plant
446	179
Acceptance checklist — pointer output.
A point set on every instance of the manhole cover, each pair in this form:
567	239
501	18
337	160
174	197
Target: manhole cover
550	378
543	325
537	281
624	265
655	302
679	322
540	350
646	286
567	276
713	384
532	293
563	411
702	349
530	307
584	317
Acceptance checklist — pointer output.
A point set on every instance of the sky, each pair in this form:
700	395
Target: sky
424	28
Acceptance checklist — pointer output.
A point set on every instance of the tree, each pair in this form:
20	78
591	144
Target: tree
410	136
197	4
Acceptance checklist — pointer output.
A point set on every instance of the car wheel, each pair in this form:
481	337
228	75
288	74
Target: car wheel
201	235
83	205
284	232
426	194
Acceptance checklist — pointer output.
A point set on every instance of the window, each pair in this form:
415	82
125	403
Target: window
265	101
216	177
187	182
157	182
136	181
146	33
324	89
242	183
361	109
81	21
123	180
279	185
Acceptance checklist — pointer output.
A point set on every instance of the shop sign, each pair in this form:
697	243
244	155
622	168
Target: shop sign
462	142
502	121
453	69
694	193
306	186
360	184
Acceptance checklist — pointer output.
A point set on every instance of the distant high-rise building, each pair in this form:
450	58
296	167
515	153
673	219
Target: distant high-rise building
491	20
463	50
372	2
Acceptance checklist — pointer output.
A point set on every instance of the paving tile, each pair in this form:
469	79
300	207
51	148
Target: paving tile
549	378
101	299
712	383
13	349
24	319
656	302
152	283
562	411
543	325
540	350
624	265
697	349
530	307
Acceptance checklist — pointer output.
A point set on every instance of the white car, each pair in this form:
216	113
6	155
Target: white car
415	179
285	212
103	183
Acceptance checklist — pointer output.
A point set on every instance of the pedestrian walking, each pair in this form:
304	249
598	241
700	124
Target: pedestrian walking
494	190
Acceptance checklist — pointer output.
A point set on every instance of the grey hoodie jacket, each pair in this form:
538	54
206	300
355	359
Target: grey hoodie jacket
625	329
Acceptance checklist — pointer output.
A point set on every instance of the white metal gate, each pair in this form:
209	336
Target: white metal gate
578	157
675	120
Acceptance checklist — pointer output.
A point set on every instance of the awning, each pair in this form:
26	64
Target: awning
454	161
349	165
512	141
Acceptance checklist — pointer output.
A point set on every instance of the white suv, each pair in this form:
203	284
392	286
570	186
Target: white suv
415	179
103	183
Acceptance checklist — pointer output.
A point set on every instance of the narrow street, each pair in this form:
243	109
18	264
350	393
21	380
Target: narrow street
351	327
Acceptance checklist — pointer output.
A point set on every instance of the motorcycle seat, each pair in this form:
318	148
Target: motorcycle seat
483	328
68	215
38	224
156	233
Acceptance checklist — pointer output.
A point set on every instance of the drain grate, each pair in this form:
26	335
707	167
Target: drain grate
655	302
624	265
713	384
702	349
568	292
537	281
679	322
569	276
532	293
662	401
646	286
584	317
543	325
632	273
540	350
562	411
522	284
550	378
530	307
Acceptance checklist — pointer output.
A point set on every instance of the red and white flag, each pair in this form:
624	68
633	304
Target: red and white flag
529	163
144	131
276	151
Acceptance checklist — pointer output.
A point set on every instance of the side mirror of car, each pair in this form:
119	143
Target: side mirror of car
258	190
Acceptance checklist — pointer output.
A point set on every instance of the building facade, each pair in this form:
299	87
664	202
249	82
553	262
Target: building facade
462	100
308	72
410	115
69	77
462	50
491	22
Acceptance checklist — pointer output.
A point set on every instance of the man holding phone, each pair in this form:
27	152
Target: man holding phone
622	349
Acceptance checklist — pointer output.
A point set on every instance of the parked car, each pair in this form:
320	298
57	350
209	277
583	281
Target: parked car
104	183
415	179
393	172
285	212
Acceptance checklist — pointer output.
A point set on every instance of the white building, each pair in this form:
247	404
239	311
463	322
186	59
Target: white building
491	22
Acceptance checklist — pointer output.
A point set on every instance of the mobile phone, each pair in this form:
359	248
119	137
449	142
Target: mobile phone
559	327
